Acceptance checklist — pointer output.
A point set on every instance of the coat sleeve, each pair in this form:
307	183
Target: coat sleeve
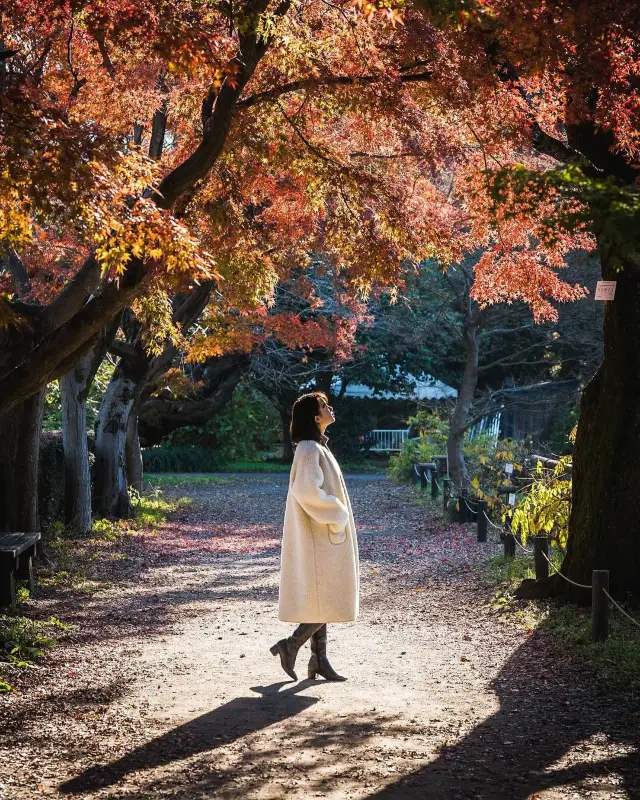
306	488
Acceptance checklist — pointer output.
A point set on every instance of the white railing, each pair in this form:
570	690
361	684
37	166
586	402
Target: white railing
489	426
386	441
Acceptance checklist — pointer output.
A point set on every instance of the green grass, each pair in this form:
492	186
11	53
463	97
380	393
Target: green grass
507	573
255	466
24	640
617	660
183	479
75	558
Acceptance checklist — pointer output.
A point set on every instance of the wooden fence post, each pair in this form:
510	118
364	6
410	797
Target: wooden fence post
441	462
482	521
509	545
540	550
423	476
599	605
446	493
434	483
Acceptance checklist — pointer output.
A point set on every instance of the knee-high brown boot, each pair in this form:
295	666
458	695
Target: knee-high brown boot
288	648
319	663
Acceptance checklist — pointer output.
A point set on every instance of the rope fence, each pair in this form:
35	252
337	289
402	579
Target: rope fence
568	580
621	610
601	600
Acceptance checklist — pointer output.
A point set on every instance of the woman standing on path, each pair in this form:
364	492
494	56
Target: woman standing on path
319	578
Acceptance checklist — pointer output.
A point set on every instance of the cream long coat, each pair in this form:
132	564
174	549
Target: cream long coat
319	574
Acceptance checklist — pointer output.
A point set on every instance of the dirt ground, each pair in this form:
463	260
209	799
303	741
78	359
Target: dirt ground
165	687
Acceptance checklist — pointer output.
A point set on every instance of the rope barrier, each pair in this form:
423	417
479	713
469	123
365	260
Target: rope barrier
621	610
521	546
416	470
493	525
437	484
568	580
472	510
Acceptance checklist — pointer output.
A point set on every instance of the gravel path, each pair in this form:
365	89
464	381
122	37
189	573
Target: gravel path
165	687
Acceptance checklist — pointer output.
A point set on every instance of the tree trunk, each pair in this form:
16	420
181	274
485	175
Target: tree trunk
133	452
459	418
287	446
162	414
604	527
19	456
111	497
77	473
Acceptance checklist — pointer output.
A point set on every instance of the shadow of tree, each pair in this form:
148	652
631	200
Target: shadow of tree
231	721
555	724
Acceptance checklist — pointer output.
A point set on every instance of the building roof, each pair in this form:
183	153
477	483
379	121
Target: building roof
428	388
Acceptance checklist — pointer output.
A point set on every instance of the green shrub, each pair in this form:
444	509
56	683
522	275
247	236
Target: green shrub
186	458
244	428
431	441
23	640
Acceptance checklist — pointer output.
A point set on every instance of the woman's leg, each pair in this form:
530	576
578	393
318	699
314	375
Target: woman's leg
319	663
288	648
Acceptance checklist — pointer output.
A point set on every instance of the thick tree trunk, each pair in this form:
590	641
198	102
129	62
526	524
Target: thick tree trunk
287	447
111	496
459	418
133	452
77	472
604	528
19	455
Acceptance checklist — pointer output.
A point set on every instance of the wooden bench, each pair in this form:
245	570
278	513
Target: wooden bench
17	551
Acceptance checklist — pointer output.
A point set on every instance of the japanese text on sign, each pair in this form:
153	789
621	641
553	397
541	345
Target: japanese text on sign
605	290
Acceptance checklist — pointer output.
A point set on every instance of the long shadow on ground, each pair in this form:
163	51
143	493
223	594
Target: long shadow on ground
547	708
229	722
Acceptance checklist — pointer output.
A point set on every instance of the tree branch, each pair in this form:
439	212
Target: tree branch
331	80
123	349
509	357
194	168
74	295
18	272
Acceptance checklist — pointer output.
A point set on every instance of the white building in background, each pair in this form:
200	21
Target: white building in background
391	441
428	388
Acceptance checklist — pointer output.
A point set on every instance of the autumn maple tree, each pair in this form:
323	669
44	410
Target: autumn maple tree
374	135
278	123
560	146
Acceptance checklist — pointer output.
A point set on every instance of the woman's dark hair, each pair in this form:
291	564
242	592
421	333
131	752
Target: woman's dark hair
303	417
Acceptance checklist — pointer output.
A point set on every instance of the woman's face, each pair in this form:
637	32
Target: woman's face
326	415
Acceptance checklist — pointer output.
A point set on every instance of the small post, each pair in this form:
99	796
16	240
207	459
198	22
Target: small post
540	550
482	521
434	484
446	493
441	462
509	545
423	476
599	605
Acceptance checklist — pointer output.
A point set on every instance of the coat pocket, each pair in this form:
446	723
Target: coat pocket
337	538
